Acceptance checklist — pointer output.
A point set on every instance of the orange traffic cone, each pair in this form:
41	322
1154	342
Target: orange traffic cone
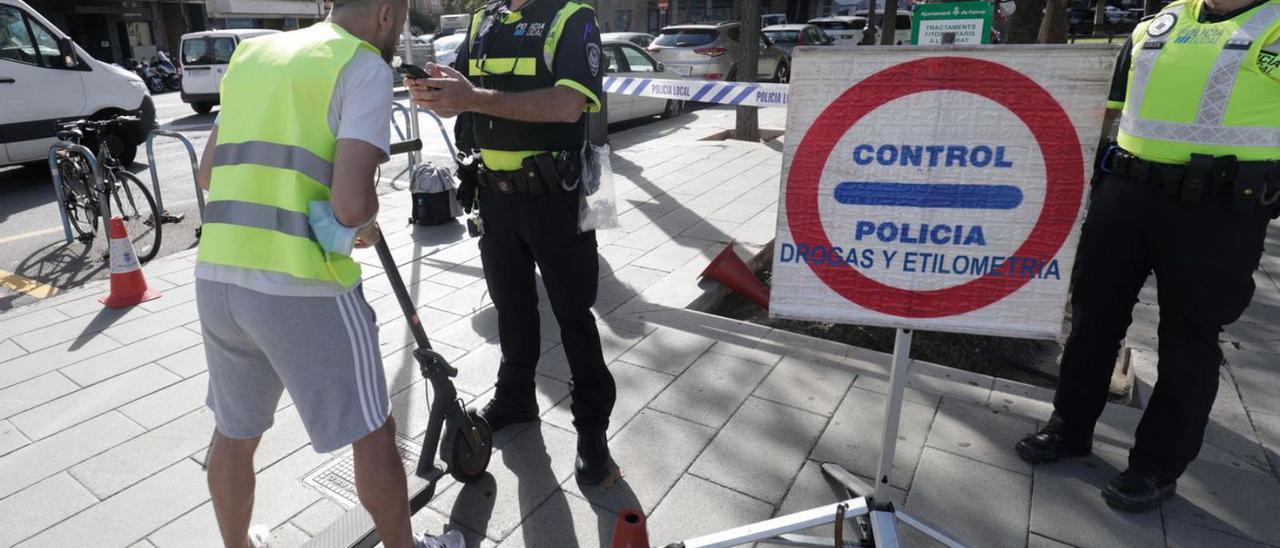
128	287
629	531
729	270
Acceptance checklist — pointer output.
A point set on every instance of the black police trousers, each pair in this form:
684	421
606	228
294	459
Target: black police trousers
524	230
1204	257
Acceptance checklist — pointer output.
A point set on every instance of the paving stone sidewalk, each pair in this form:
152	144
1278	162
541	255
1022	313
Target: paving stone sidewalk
718	423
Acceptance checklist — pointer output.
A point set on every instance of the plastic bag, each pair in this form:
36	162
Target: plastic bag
598	209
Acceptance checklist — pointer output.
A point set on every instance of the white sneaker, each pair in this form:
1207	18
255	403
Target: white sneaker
258	535
451	539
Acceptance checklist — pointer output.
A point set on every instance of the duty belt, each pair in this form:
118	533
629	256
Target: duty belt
1202	177
544	173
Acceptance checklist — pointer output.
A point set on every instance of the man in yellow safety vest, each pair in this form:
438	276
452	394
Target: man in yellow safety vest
305	121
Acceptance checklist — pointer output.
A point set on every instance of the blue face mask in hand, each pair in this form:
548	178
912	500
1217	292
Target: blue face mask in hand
333	236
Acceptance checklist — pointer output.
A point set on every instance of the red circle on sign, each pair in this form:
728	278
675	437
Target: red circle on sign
1031	103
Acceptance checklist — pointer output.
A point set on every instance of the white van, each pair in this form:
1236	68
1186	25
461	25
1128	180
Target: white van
45	78
204	60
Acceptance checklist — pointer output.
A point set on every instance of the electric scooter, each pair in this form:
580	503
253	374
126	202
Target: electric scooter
463	437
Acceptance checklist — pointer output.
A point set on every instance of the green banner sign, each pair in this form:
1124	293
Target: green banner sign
968	22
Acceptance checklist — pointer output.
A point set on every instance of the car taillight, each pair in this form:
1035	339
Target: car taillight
652	50
711	52
713	76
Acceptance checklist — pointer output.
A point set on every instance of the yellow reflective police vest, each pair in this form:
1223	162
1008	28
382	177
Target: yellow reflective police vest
274	155
1203	87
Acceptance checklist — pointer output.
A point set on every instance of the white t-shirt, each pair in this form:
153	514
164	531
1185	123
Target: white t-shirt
359	109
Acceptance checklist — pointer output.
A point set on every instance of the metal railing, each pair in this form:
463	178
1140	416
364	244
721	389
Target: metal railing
409	116
104	204
165	216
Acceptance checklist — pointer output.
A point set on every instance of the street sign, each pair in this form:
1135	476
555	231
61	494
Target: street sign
964	22
937	188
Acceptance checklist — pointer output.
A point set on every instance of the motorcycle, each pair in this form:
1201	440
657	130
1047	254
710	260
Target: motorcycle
149	75
172	77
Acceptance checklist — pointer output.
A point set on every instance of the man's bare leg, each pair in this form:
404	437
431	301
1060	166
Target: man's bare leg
380	482
231	484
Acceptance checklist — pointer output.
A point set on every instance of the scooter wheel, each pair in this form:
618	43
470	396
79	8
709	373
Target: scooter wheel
466	465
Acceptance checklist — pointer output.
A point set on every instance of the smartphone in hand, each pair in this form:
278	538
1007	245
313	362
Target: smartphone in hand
413	71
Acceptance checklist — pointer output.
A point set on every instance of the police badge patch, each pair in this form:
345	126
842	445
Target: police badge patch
1162	24
593	58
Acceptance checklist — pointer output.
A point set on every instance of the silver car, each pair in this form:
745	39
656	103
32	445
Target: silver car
638	38
710	51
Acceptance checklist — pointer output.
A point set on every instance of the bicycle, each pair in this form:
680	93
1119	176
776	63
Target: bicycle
83	198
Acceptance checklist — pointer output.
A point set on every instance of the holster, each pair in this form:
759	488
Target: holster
468	180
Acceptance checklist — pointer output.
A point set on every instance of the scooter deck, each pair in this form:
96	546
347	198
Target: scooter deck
355	528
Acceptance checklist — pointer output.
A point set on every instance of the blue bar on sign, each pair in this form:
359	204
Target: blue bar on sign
933	195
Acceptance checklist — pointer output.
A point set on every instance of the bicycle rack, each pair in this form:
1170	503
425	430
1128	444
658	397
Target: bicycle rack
165	216
104	203
408	114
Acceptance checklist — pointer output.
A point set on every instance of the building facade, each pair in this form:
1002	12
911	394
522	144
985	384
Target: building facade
115	30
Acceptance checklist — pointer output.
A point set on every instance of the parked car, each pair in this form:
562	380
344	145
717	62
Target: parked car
901	31
421	49
843	29
446	48
46	78
788	37
204	60
710	51
625	59
1113	14
642	39
770	19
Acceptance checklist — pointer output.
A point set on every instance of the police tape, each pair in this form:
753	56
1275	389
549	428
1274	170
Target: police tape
701	91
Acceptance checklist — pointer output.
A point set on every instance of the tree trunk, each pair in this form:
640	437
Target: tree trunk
748	127
889	23
1100	18
1024	26
1053	29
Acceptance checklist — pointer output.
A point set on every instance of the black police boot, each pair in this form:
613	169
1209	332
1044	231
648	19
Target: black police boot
1047	446
501	414
594	463
1133	491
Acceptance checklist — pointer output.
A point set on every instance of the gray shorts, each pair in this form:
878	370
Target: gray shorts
323	350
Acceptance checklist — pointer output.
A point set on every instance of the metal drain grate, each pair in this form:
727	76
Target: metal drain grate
337	478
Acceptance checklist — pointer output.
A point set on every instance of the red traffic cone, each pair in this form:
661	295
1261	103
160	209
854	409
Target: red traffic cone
629	531
128	287
729	270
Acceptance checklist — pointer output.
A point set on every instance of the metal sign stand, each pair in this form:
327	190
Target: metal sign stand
870	509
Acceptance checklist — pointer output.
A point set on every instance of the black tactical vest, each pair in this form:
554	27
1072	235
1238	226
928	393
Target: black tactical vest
511	57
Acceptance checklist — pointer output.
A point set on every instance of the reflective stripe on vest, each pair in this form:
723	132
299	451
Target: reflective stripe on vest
1143	62
557	28
280	156
518	66
253	215
1208	127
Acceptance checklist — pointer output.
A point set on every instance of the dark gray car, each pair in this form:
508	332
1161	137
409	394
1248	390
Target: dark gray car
787	37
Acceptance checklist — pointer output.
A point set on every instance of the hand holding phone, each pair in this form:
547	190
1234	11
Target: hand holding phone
414	71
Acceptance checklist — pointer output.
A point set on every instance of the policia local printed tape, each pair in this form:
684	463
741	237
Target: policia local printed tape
702	91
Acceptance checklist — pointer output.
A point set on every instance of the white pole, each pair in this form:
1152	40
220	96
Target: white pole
898	374
413	109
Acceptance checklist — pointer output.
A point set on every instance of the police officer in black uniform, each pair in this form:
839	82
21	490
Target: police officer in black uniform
527	75
1187	194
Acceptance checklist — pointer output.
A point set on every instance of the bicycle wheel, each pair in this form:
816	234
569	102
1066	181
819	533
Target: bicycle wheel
77	199
133	202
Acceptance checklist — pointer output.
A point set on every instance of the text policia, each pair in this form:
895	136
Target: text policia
969	241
